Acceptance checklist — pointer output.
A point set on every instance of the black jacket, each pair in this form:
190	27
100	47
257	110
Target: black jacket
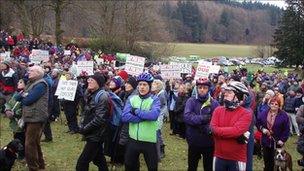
180	106
95	117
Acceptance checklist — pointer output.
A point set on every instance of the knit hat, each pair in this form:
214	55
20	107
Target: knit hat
132	81
99	78
123	74
7	63
118	81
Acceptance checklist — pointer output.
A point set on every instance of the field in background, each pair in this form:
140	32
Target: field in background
62	154
212	50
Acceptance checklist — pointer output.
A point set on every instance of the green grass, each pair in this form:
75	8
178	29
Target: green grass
212	50
62	154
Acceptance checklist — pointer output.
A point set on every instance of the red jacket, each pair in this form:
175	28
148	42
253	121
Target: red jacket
227	126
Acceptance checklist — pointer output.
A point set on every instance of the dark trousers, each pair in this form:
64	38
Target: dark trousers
195	154
268	156
228	165
47	130
92	151
71	117
21	136
134	149
181	129
33	153
171	117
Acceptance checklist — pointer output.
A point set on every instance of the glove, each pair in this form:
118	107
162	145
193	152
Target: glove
243	139
9	114
133	111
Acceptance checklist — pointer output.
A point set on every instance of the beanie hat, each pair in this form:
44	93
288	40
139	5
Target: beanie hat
7	63
132	81
99	78
118	81
123	74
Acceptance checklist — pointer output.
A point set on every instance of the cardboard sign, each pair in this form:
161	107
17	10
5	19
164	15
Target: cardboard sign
6	56
170	71
214	69
86	66
38	55
134	65
67	52
66	89
185	68
202	70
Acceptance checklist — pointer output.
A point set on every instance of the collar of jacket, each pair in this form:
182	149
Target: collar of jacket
144	96
207	102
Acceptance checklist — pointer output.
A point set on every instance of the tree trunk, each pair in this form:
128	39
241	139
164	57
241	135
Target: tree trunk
58	31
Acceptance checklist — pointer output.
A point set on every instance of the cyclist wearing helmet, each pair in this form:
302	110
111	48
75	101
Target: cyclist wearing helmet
141	112
197	116
230	124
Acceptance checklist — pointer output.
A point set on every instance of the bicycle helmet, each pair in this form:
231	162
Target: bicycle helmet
203	81
239	89
147	77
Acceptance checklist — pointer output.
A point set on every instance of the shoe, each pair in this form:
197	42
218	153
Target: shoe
47	140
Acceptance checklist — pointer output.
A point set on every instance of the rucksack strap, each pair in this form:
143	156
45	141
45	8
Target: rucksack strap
110	103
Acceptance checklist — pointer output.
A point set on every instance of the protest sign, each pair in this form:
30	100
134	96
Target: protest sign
67	52
66	89
134	65
86	66
5	56
38	55
170	71
214	69
202	70
185	68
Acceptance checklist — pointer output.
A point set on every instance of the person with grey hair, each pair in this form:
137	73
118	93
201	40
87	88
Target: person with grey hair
159	91
34	101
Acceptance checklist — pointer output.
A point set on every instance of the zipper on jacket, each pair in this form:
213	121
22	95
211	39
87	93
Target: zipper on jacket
138	122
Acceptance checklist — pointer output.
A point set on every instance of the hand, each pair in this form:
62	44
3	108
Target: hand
280	143
133	111
266	131
9	114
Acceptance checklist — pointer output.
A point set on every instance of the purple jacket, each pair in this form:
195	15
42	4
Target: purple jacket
197	118
280	127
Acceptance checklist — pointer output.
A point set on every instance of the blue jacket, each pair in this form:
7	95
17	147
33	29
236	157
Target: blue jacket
197	116
280	127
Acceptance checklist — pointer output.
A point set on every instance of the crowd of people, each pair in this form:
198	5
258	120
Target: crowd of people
222	117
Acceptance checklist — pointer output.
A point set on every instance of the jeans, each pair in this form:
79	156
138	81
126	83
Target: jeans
92	151
293	122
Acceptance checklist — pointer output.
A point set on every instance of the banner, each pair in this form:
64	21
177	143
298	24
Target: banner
134	65
86	66
170	71
5	56
185	68
38	55
66	89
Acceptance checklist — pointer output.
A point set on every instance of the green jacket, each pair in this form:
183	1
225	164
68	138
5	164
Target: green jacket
15	107
142	114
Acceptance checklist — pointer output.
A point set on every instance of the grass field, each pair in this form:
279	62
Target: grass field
62	154
211	50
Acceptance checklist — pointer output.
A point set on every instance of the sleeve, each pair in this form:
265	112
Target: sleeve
300	115
101	115
151	115
189	116
285	129
127	115
34	94
239	128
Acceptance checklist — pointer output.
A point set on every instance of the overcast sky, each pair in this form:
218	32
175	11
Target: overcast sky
279	3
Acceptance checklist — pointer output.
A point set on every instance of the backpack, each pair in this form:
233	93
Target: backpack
115	105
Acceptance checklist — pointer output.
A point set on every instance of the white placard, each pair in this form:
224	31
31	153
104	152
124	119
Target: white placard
66	89
67	52
86	66
214	69
186	68
134	65
202	70
170	71
38	55
5	56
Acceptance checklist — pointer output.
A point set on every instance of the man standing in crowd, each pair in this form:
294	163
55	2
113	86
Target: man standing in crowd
230	124
197	116
141	112
9	79
94	124
34	101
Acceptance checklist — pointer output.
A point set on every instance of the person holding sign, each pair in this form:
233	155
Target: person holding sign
141	112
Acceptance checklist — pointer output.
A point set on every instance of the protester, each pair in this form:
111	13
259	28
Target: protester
197	116
94	124
34	101
141	112
8	79
290	109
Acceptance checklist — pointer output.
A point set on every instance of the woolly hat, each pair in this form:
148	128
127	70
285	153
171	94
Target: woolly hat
99	78
132	81
118	81
123	74
7	63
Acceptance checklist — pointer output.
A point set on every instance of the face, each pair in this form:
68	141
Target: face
202	90
155	86
3	67
229	95
32	73
92	84
112	85
274	106
143	88
21	84
182	89
128	87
